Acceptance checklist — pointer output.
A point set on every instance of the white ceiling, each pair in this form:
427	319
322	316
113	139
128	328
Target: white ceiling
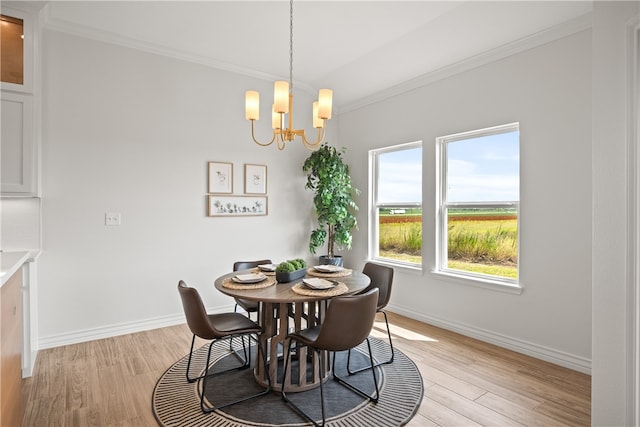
356	48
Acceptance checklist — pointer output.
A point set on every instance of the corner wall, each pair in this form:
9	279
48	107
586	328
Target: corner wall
547	90
612	396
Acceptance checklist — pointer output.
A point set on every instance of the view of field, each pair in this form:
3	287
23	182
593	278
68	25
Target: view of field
481	241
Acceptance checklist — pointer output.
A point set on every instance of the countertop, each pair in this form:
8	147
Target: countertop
10	262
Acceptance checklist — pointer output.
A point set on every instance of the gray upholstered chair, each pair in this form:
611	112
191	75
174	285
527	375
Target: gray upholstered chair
216	327
347	323
382	279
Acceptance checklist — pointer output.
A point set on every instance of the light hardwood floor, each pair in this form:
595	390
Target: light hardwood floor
466	382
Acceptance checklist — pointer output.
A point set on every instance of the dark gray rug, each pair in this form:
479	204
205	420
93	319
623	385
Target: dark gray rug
175	402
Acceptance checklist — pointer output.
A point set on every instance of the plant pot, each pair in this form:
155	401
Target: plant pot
325	260
291	276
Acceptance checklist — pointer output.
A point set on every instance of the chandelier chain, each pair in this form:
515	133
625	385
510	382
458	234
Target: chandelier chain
291	46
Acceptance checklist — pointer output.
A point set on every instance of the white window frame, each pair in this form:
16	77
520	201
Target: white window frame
374	207
476	279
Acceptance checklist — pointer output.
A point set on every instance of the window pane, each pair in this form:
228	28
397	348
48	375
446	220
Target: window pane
479	203
396	205
484	169
400	176
400	234
483	240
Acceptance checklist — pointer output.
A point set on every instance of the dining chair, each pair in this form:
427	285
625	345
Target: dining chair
382	279
216	327
247	305
347	323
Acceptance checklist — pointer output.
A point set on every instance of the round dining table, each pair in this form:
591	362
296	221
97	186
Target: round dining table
283	309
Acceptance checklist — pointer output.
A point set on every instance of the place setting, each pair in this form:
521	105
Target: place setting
329	271
315	286
249	281
266	269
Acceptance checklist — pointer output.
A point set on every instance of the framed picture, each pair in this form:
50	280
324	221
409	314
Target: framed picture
237	205
255	179
220	177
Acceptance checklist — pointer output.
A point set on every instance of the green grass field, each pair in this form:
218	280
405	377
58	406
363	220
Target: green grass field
475	244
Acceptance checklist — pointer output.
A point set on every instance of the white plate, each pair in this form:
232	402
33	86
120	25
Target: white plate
249	278
328	268
317	283
267	267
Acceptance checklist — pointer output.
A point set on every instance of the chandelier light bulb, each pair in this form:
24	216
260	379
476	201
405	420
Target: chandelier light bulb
325	99
252	105
281	97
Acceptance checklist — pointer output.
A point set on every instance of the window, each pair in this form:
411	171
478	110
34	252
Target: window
395	195
478	203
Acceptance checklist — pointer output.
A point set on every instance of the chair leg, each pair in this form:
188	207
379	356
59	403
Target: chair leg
204	381
206	375
235	310
386	321
354	388
351	387
193	340
246	362
351	372
284	378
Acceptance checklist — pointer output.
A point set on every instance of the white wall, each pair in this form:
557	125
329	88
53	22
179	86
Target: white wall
131	132
612	399
548	90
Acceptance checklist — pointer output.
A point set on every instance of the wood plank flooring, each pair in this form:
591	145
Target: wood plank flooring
467	382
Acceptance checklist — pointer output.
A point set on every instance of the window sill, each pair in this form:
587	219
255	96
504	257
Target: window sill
494	285
413	268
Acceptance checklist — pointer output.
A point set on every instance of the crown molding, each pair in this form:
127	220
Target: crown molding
568	28
563	30
55	24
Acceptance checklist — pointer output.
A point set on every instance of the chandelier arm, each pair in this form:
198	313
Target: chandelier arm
281	142
309	144
258	142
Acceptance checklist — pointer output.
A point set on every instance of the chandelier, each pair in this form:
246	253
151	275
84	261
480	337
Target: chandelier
282	111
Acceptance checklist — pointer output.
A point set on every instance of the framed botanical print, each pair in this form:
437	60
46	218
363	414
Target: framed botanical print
255	179
220	177
237	205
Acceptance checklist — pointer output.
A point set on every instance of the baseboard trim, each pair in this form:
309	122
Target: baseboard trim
92	334
539	352
547	354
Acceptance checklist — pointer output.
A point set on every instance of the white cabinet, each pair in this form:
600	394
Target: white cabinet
19	90
17	149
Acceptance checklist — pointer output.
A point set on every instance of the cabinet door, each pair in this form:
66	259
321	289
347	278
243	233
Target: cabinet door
18	49
17	149
11	352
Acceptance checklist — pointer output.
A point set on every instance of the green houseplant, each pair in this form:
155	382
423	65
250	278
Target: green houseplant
334	200
292	269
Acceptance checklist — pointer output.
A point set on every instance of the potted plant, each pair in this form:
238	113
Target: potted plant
328	177
290	270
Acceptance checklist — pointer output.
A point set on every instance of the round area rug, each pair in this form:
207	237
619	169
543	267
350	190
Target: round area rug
176	402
